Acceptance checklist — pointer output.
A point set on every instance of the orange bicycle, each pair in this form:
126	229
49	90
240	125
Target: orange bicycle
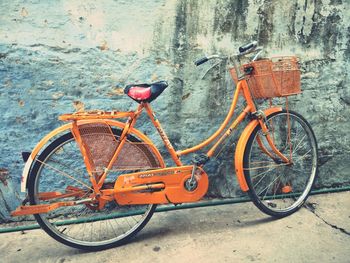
95	182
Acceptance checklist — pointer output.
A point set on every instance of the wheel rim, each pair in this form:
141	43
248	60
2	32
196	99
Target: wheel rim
81	225
277	187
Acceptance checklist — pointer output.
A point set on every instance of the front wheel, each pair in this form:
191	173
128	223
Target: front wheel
276	188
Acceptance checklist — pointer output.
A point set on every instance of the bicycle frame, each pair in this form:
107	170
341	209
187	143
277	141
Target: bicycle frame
242	88
154	180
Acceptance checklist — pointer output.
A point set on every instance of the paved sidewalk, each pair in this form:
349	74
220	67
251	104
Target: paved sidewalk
228	233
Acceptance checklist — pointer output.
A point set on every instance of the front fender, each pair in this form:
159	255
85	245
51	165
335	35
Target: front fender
241	145
68	127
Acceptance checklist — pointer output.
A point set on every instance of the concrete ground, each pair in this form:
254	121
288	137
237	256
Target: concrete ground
319	232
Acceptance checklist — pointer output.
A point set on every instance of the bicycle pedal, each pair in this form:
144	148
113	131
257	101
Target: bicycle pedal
200	159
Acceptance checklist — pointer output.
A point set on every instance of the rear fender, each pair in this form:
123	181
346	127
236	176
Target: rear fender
66	128
241	145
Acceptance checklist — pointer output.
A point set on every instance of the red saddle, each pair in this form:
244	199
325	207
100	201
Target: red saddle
145	92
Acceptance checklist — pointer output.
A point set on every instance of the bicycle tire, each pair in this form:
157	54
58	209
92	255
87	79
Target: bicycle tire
61	230
277	189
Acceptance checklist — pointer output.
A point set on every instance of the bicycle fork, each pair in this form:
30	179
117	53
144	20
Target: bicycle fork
267	134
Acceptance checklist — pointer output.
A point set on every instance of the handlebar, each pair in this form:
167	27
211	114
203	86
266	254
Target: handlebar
243	50
246	47
205	59
201	61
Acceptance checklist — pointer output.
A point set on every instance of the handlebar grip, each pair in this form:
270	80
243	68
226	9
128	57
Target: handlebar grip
201	61
248	46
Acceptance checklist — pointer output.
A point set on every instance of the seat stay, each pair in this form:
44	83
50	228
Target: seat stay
129	125
97	182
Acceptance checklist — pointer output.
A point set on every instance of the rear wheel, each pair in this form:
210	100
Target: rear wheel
60	168
276	188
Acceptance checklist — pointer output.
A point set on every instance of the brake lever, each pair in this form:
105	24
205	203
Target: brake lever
257	54
213	66
206	72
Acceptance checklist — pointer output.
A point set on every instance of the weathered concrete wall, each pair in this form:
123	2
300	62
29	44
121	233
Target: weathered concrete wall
56	54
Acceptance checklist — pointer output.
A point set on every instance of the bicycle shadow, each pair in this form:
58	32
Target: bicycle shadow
259	221
177	224
189	222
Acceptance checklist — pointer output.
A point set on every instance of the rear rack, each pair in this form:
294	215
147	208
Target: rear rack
95	114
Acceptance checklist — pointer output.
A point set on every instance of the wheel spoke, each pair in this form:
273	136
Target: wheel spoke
64	174
268	186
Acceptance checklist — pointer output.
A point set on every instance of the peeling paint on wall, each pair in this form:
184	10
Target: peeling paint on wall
4	175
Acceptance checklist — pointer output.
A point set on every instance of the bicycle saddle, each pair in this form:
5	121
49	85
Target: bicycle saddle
145	92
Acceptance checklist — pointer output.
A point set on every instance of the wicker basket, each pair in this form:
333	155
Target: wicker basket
276	77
